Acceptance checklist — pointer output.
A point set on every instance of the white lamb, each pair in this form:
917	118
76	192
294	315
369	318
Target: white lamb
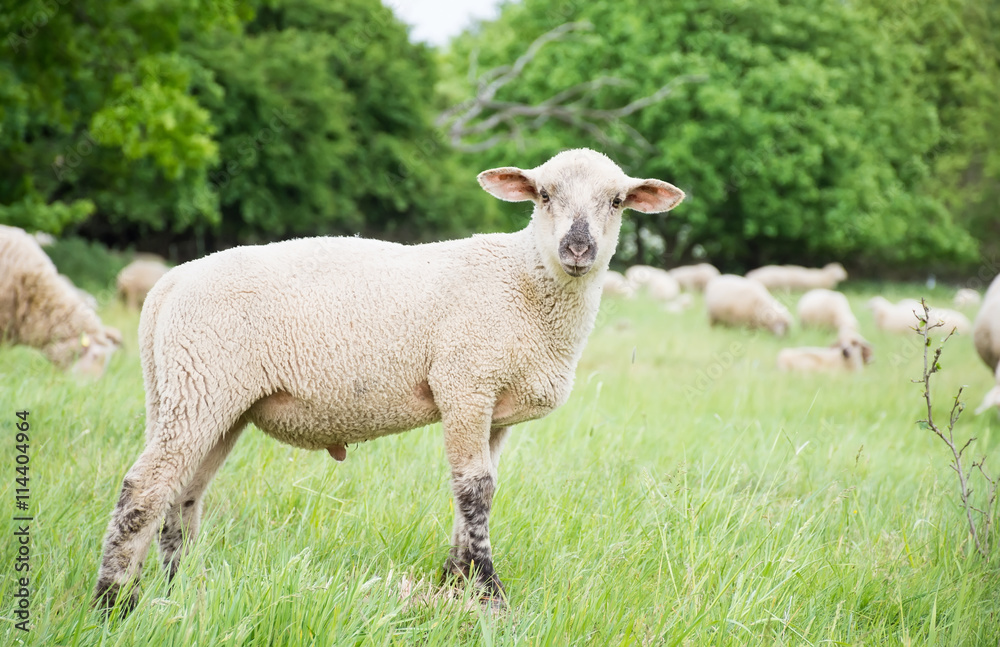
617	285
967	298
822	308
38	308
796	277
986	336
694	278
323	342
901	317
136	280
738	301
849	353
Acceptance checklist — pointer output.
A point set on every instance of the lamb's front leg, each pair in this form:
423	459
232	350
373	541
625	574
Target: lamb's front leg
473	481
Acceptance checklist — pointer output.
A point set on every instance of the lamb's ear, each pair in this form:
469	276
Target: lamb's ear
508	183
653	196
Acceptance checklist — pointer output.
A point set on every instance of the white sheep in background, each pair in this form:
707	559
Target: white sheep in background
136	280
659	284
796	277
322	342
822	308
617	285
87	297
738	301
901	317
39	308
986	336
694	278
849	353
967	298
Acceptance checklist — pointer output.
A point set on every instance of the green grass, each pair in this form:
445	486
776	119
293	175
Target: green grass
688	494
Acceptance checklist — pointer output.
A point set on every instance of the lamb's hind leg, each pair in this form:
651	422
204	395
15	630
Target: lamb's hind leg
180	527
167	464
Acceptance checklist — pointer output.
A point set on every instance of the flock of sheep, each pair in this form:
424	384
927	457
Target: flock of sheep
748	302
325	342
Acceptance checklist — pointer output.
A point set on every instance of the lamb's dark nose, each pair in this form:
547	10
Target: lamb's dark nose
578	249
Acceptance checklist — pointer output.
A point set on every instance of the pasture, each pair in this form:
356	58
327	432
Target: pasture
688	494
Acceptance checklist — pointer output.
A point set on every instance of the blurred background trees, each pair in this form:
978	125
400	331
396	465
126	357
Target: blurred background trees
864	132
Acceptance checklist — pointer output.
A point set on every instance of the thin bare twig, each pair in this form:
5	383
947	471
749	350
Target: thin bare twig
980	531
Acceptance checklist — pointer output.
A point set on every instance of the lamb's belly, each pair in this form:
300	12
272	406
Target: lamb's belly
317	425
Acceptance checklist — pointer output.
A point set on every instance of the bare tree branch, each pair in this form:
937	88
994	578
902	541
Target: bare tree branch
980	531
484	113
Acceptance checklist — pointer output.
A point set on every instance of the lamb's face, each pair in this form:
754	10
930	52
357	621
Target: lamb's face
579	197
96	352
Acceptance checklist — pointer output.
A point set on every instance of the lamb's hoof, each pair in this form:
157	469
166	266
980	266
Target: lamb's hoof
490	588
108	594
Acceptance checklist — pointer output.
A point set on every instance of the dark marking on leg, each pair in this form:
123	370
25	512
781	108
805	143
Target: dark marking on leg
189	503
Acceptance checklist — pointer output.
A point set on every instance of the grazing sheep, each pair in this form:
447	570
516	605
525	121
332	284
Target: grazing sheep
849	353
738	301
39	308
616	284
967	298
902	317
136	280
323	342
796	277
822	308
658	283
694	278
87	297
986	336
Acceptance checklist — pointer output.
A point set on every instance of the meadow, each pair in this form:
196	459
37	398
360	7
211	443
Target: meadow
688	494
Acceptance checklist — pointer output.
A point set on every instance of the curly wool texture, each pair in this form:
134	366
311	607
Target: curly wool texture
39	308
337	340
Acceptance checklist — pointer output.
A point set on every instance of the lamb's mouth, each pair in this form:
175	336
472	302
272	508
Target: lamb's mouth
576	270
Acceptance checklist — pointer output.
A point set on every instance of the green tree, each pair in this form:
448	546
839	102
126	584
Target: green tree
323	117
808	142
96	113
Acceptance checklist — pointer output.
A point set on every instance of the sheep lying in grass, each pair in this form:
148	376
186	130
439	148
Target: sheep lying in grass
738	301
822	308
849	353
616	284
694	278
323	342
967	298
136	280
796	277
39	308
901	317
986	336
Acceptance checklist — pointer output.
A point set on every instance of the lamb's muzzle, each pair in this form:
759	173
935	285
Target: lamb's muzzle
578	249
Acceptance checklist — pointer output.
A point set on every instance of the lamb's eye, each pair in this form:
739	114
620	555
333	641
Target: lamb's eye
544	194
617	202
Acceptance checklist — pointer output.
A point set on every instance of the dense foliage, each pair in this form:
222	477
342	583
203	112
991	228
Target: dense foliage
864	132
814	137
242	122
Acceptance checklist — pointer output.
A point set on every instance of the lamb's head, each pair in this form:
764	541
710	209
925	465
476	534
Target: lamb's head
835	271
579	197
90	354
